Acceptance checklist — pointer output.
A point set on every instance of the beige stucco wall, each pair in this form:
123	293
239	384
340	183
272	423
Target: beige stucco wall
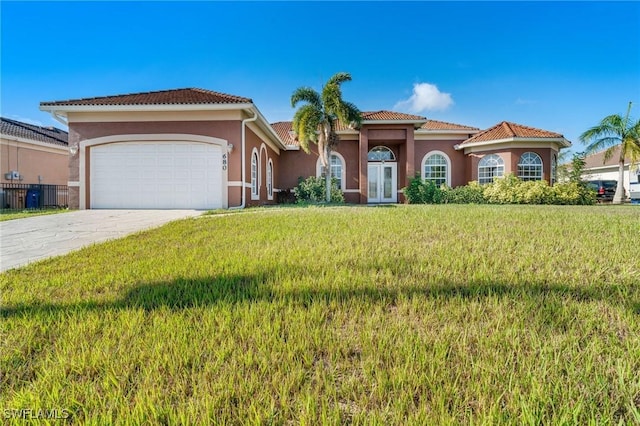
50	162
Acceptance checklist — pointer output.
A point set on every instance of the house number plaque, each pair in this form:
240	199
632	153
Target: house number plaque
224	161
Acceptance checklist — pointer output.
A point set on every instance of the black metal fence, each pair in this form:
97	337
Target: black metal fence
18	196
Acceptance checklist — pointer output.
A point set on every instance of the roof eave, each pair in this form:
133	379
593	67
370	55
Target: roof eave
57	144
347	132
561	141
64	109
414	122
265	126
448	131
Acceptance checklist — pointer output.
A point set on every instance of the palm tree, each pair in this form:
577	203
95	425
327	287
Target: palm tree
315	121
611	132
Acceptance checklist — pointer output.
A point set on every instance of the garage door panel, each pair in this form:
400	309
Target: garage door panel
156	175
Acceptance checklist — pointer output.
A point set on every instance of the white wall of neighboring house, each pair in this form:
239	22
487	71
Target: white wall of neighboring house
611	173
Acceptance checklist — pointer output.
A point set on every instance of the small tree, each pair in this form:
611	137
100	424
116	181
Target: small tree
577	167
315	121
611	132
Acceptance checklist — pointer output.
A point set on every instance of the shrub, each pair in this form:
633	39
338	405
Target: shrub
535	192
503	190
473	193
312	190
511	190
423	192
286	196
576	193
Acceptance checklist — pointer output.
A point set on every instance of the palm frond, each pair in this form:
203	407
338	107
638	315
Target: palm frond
349	113
321	112
306	94
614	131
609	153
305	124
339	78
603	135
331	98
634	133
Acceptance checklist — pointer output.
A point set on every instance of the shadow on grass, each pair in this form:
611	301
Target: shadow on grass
184	293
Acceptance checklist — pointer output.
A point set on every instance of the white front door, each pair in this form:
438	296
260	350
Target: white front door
383	183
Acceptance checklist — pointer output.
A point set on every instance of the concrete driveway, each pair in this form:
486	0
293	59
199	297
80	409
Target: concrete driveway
26	240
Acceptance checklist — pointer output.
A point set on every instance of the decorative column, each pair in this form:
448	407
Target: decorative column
363	166
410	160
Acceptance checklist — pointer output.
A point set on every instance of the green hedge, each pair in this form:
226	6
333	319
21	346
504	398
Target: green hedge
312	190
506	190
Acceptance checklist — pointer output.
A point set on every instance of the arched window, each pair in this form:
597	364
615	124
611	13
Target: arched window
530	166
381	153
490	167
554	168
254	175
337	167
270	180
436	167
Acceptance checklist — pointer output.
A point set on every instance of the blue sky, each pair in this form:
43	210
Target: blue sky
558	66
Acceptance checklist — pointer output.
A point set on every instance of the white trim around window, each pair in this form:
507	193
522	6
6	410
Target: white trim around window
435	159
342	166
490	167
255	173
270	180
530	166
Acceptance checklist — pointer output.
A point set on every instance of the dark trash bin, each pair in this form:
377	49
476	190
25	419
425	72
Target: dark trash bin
33	199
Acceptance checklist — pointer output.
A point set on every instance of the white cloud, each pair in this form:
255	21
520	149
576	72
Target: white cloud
425	97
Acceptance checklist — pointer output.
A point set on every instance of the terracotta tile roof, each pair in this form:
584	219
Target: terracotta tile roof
390	115
597	159
506	130
283	129
443	125
162	97
19	129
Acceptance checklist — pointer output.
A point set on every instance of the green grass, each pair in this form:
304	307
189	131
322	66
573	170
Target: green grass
400	315
19	214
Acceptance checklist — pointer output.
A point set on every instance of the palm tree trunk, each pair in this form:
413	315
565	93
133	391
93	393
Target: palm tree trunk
327	181
619	195
324	150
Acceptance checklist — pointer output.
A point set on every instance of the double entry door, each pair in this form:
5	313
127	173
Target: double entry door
382	183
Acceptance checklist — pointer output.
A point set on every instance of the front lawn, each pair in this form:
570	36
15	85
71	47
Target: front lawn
20	214
393	315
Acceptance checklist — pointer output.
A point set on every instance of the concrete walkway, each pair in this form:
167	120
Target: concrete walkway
26	240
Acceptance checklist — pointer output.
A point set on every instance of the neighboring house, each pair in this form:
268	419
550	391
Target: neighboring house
596	168
30	155
33	154
194	148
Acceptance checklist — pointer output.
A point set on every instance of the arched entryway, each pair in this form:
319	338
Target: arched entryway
382	172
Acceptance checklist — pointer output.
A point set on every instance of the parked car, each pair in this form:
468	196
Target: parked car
634	191
605	189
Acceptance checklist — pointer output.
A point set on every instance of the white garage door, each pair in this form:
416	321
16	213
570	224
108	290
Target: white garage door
156	175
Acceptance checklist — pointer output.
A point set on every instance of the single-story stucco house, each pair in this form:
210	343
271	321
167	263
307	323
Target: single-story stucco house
195	148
